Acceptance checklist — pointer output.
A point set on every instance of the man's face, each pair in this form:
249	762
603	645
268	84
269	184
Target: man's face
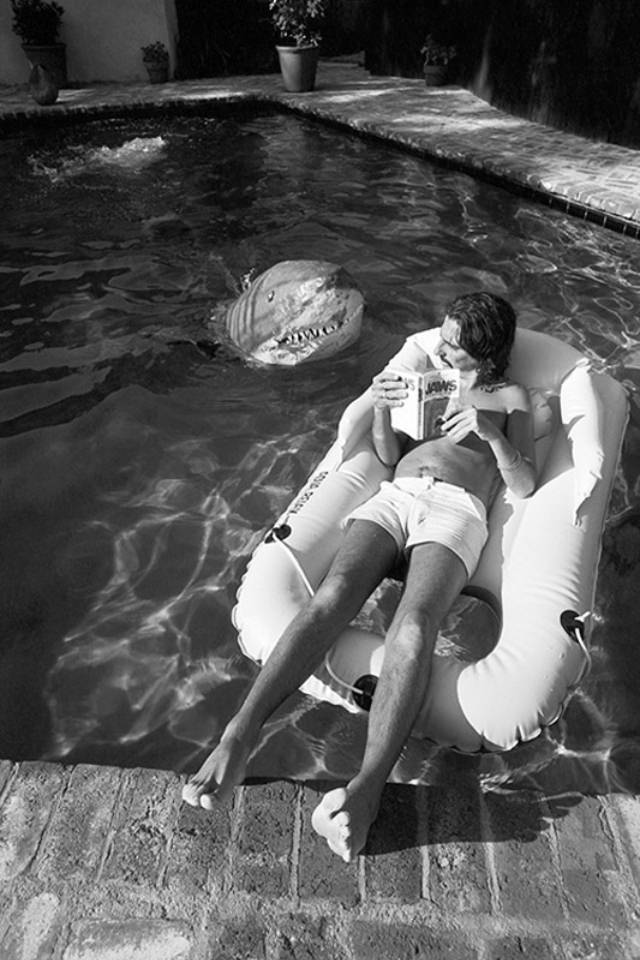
450	351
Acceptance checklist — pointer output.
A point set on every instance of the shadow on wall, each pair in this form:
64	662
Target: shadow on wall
569	63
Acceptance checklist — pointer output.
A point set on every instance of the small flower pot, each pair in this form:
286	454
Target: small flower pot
298	67
42	86
158	72
435	74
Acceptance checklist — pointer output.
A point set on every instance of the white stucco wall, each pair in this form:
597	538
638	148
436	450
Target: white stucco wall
103	39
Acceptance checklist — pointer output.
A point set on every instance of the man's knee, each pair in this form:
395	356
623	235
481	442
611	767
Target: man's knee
333	594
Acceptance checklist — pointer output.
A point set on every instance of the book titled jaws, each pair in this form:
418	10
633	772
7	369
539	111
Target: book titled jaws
431	395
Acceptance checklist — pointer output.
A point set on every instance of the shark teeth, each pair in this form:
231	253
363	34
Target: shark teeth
310	333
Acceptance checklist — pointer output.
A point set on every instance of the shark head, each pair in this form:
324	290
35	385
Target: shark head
295	312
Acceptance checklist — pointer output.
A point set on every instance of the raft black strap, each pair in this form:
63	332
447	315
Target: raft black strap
573	624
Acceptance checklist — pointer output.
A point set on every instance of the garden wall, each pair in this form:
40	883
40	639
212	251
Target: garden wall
103	39
569	63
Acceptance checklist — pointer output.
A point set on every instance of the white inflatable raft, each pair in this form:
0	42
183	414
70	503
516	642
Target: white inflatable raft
538	569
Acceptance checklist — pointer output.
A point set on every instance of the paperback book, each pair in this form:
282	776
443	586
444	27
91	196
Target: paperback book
430	394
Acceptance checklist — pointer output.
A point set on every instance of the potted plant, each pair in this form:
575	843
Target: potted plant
297	23
155	57
37	23
437	57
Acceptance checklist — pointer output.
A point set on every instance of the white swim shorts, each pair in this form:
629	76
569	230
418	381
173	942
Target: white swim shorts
425	510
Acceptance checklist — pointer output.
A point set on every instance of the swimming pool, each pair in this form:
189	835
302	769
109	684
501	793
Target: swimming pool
139	471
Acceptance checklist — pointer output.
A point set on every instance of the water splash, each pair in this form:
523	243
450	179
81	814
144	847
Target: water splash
133	156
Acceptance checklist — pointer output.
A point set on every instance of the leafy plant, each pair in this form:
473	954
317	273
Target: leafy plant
298	21
155	52
435	53
37	22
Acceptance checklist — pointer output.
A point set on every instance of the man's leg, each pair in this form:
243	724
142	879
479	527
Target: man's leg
365	557
434	579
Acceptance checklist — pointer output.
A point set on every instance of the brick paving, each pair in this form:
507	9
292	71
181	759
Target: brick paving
99	863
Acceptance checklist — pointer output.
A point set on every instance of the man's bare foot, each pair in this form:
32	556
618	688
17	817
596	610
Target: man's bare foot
223	770
343	818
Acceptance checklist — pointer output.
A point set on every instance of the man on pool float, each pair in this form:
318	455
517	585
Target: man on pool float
433	514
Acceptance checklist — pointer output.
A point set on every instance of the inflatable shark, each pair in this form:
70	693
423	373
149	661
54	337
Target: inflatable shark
295	312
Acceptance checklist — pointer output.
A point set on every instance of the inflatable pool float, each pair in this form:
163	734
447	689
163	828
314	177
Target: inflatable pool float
537	571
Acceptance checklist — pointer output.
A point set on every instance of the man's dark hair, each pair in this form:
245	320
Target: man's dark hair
487	329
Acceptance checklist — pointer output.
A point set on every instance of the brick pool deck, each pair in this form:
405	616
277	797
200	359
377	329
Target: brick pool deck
99	863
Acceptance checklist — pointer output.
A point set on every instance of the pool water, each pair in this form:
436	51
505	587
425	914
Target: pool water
139	470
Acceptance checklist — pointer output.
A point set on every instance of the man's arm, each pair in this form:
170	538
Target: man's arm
514	449
389	390
514	452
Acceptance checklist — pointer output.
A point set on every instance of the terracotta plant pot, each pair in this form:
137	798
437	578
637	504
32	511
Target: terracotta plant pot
298	67
158	72
53	57
435	74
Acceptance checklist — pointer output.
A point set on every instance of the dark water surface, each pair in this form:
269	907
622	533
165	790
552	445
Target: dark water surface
138	473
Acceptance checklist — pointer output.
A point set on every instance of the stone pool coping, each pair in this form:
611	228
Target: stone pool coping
99	862
595	181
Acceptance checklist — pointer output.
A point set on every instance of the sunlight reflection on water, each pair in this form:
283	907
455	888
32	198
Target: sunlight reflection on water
142	473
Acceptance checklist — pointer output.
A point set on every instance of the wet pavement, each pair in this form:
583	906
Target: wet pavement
99	863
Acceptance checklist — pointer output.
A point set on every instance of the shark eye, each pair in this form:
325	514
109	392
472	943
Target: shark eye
271	295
